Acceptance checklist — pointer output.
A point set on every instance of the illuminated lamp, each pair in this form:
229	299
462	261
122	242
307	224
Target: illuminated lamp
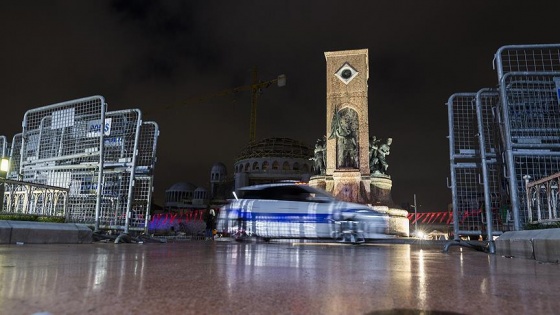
4	167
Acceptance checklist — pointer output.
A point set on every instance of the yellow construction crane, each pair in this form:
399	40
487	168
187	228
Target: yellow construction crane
256	88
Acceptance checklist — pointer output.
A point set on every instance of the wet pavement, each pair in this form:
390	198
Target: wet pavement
205	277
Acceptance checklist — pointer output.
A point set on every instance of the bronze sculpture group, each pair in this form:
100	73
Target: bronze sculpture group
344	129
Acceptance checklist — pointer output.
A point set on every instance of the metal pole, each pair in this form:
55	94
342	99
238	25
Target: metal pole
415	217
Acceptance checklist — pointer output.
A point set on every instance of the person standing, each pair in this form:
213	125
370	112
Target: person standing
210	221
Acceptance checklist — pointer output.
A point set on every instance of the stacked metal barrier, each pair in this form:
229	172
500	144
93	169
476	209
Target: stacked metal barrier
529	109
76	147
15	157
472	163
62	146
119	157
144	176
497	218
465	186
3	154
3	147
500	138
532	125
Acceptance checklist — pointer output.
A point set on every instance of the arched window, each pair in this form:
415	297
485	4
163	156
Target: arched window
286	166
255	166
247	167
275	165
296	166
265	165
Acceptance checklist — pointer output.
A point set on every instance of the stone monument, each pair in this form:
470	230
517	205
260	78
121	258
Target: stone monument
348	163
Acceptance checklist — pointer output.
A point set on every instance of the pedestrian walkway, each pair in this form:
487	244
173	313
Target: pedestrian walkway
221	277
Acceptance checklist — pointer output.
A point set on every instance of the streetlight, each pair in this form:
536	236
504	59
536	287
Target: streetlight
415	216
4	168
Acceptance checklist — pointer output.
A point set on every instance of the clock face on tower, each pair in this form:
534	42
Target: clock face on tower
346	73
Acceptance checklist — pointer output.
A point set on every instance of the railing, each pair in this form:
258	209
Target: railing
542	199
29	198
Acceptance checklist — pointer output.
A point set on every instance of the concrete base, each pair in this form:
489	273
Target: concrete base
541	245
398	220
348	185
381	190
15	232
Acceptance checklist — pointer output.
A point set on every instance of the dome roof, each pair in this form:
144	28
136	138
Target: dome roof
200	189
219	168
276	147
182	186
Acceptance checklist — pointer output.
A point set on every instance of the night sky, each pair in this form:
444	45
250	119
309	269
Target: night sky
159	55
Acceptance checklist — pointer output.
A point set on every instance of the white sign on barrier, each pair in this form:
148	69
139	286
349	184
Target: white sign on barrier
94	128
557	81
62	118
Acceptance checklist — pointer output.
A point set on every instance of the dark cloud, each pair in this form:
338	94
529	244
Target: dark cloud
173	39
161	55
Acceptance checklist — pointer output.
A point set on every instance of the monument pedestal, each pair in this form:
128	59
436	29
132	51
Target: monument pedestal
347	185
382	201
381	190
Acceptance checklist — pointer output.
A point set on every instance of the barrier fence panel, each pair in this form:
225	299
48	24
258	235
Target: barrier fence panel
527	58
475	166
144	176
3	146
3	172
140	213
530	166
62	146
120	151
495	197
14	172
147	145
531	132
466	188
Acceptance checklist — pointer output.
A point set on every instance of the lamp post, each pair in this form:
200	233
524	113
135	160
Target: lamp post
415	216
4	167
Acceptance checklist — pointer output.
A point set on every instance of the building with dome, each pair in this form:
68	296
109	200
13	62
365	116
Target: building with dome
267	161
180	195
273	160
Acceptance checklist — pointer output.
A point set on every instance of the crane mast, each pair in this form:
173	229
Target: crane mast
256	88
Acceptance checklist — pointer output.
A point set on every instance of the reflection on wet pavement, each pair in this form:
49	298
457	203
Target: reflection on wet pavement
198	277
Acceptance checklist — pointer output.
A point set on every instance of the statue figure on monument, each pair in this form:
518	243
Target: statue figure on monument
320	156
343	128
382	152
373	147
